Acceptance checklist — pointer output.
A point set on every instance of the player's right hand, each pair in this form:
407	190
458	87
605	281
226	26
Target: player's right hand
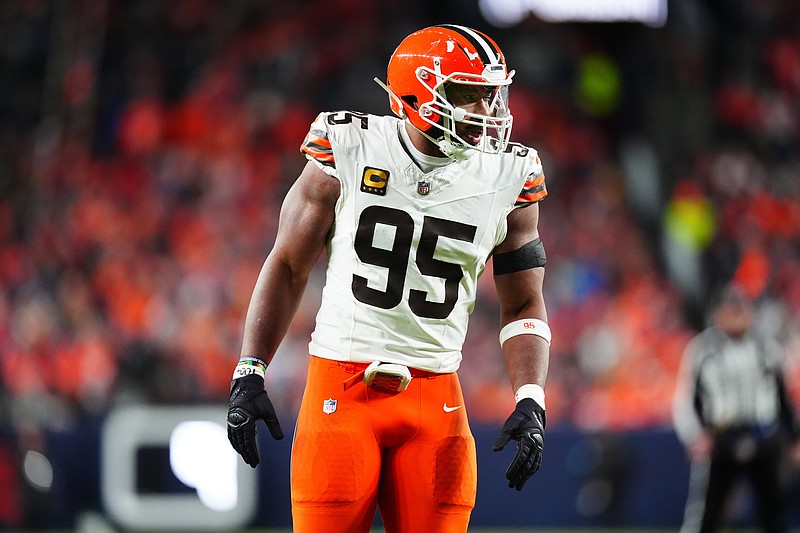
248	404
526	426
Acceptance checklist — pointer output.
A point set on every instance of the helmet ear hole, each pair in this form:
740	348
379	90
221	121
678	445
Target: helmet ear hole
411	100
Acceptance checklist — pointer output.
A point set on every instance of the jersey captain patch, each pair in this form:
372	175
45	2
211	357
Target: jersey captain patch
374	181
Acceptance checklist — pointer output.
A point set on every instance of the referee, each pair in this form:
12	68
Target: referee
731	411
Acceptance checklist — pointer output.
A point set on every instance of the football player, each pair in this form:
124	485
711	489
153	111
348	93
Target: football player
410	209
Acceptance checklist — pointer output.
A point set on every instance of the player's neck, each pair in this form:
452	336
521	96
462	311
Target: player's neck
422	144
424	161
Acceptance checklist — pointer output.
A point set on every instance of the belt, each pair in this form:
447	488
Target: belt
754	430
357	369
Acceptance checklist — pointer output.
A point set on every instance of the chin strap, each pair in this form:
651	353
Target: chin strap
445	142
455	151
447	146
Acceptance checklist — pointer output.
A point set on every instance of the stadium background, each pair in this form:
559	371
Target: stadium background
145	147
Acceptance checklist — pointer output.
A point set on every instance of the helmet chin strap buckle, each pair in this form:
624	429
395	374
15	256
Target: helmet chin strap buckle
450	149
446	147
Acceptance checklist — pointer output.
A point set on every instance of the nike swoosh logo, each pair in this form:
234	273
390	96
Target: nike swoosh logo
450	409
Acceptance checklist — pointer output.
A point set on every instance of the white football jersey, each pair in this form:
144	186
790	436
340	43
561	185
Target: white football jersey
407	247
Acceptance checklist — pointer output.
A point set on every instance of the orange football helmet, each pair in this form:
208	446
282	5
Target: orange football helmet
429	62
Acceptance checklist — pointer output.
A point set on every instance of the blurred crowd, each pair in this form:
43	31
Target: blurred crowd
145	148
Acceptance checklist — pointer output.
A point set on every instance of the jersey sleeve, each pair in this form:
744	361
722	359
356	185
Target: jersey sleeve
534	188
685	405
317	146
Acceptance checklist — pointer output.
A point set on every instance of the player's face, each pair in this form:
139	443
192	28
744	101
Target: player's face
472	98
475	99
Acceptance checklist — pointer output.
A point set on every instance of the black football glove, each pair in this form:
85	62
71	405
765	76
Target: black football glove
526	426
249	403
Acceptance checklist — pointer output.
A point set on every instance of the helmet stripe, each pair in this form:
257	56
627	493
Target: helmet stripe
489	54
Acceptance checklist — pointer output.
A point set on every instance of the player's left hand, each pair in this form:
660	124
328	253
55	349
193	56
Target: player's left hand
526	426
250	403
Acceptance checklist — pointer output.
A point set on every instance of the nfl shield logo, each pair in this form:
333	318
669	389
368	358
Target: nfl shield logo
423	187
329	406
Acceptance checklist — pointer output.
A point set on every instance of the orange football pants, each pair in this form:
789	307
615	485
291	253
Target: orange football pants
411	454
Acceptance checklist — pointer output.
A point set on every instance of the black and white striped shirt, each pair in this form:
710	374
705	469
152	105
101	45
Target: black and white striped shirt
727	382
